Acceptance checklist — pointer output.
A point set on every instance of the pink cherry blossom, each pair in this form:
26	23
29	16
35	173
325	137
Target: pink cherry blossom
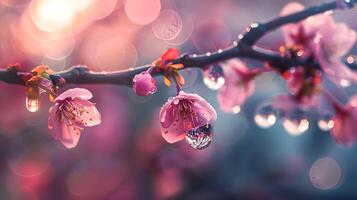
238	85
72	112
335	41
304	32
144	84
345	126
325	40
183	113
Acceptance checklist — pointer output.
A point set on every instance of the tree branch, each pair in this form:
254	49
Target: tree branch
243	48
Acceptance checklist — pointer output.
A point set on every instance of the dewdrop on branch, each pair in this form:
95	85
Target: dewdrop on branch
32	104
296	123
214	77
265	116
325	121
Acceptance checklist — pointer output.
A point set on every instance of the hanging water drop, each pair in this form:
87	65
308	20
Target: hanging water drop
236	109
265	116
32	105
201	137
295	122
214	78
325	121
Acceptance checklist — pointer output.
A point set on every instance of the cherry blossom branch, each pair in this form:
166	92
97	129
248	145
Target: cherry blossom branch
243	48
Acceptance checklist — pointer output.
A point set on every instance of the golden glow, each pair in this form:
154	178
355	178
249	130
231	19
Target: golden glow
236	109
32	105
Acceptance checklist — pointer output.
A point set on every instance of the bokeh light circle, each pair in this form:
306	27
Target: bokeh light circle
168	25
211	35
52	15
142	12
185	33
325	173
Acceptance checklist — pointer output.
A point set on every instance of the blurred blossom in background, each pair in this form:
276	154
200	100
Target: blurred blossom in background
126	157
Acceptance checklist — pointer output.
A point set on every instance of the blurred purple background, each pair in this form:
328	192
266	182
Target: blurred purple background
126	157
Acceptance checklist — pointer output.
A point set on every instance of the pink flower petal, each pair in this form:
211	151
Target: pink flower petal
69	135
291	29
172	136
337	39
238	85
345	126
76	92
90	115
170	54
52	117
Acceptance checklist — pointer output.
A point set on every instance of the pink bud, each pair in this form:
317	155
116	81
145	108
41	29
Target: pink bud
144	84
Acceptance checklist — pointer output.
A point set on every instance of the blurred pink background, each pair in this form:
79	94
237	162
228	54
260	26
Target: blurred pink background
125	157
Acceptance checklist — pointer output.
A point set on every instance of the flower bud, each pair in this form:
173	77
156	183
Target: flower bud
144	84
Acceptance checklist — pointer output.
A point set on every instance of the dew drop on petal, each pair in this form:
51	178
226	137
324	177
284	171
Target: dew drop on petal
265	116
296	123
325	121
201	137
325	173
32	105
176	101
214	77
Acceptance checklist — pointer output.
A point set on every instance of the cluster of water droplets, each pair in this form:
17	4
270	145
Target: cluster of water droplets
201	137
214	79
294	121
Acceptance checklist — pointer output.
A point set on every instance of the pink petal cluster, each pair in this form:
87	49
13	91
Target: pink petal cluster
238	85
183	113
335	41
323	39
344	130
72	112
144	84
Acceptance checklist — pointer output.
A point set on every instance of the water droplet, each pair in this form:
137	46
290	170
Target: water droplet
265	116
325	121
32	105
254	25
236	109
201	137
214	78
176	101
345	83
296	123
350	59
